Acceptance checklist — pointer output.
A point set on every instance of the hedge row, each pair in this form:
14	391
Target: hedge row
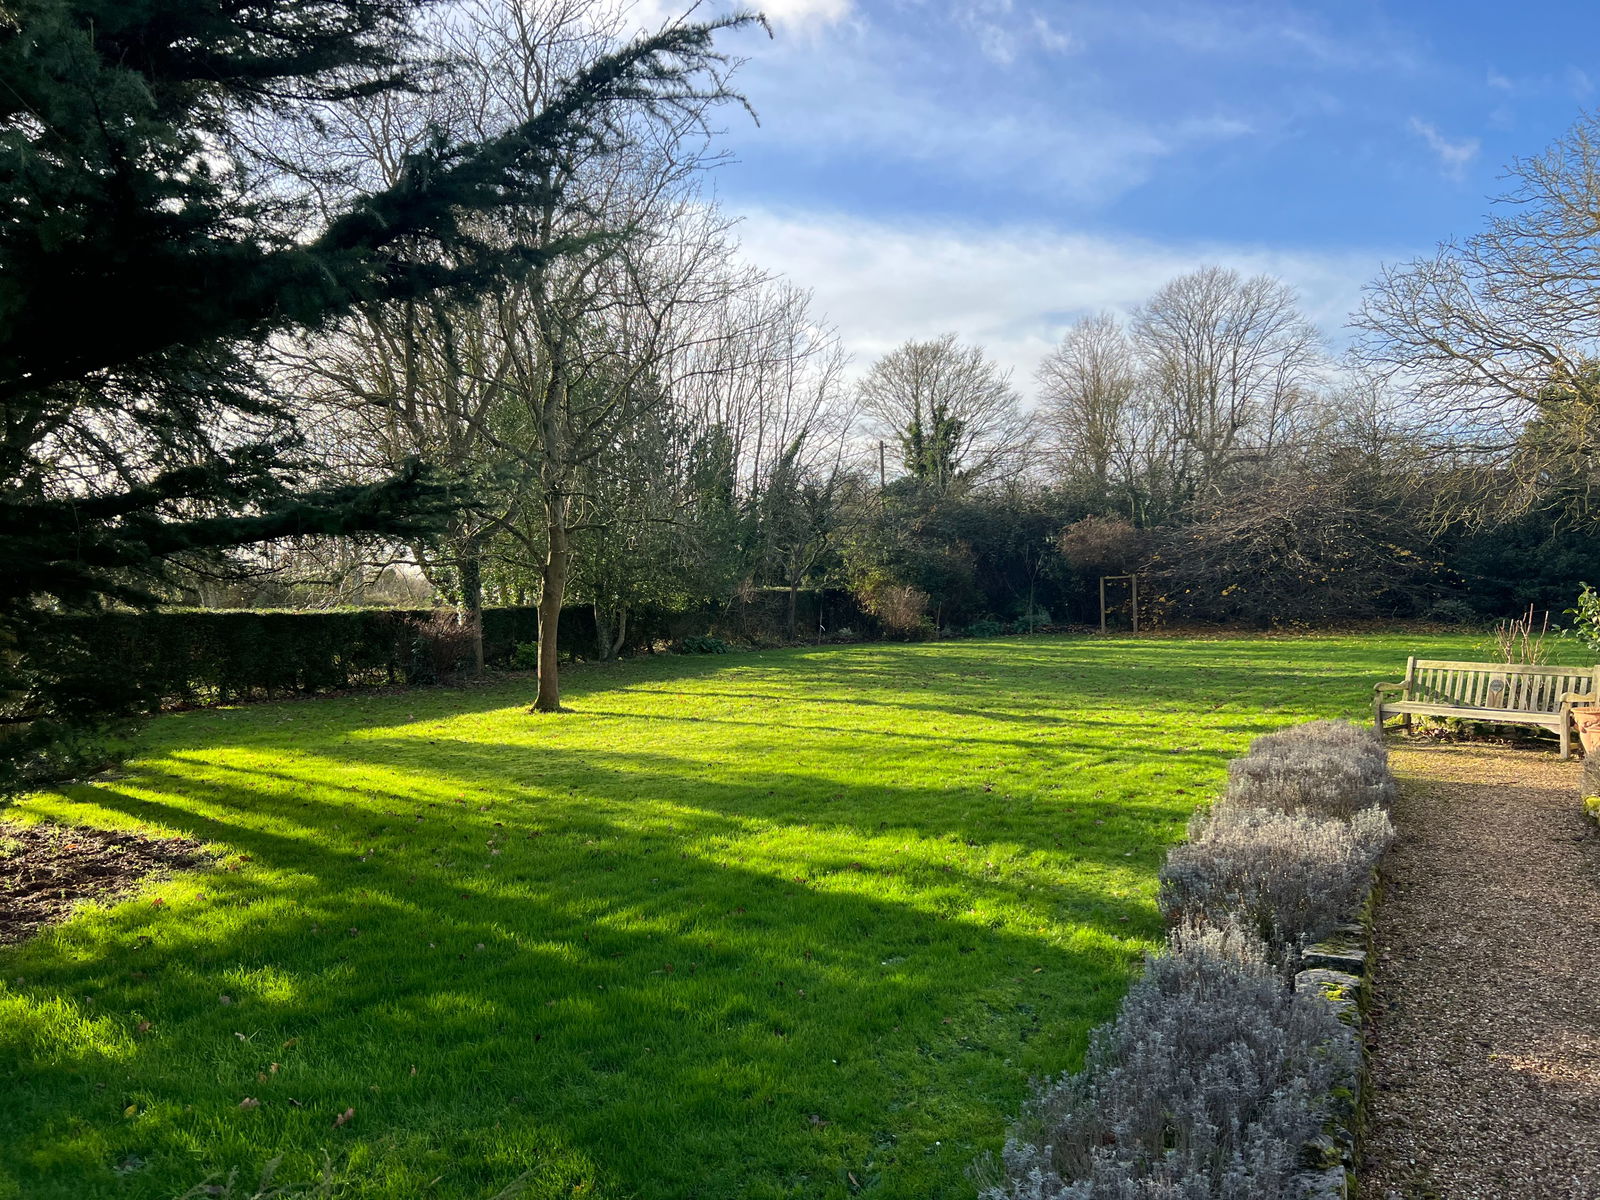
193	656
1216	1071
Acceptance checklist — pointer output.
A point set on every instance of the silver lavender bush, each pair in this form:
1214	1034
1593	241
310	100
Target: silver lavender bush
1289	877
1216	1072
1207	1084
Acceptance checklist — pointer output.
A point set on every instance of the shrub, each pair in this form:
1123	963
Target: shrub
985	628
1103	545
1311	781
1452	610
903	609
703	644
1207	1084
1327	768
1289	877
1585	614
443	646
525	656
1336	735
1030	620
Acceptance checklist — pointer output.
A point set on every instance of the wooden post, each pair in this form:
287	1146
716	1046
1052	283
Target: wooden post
1134	581
1102	604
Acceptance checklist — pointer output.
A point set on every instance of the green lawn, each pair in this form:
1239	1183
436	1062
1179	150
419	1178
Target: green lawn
798	923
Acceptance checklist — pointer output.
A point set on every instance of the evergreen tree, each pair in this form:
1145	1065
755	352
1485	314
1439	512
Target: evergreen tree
147	254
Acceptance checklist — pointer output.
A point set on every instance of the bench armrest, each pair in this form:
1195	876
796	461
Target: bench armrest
1379	688
1568	699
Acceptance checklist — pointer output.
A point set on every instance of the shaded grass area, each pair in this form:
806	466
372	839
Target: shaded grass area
789	924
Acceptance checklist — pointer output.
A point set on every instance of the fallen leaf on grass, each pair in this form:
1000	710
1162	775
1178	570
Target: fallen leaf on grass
249	1102
344	1118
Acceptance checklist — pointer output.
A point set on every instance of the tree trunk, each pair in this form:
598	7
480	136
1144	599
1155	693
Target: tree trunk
794	608
550	598
622	631
602	632
470	572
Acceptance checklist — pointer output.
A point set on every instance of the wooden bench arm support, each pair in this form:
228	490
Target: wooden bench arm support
1571	698
1379	688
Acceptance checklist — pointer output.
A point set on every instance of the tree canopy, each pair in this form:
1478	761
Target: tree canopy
150	247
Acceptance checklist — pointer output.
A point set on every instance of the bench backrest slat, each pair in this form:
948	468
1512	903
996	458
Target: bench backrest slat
1519	687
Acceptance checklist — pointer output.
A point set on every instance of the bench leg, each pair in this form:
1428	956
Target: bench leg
1566	738
1377	716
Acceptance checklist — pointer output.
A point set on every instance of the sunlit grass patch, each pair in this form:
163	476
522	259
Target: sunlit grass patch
790	924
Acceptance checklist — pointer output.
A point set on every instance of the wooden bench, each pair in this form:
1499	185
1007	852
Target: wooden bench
1495	693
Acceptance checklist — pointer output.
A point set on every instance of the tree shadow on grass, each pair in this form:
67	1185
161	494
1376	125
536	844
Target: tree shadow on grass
695	978
1036	678
660	1033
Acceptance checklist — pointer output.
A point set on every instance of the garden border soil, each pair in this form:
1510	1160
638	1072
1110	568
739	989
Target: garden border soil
47	870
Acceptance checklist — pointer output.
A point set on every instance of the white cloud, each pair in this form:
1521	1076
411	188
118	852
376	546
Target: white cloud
805	12
1453	156
1003	34
1050	38
1011	289
892	102
789	15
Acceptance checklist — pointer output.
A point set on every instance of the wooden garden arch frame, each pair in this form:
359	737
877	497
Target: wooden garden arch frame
1133	584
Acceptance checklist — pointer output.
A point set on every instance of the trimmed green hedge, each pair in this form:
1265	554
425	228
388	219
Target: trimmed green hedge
207	656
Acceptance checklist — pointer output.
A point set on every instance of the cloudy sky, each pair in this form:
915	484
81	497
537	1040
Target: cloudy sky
998	167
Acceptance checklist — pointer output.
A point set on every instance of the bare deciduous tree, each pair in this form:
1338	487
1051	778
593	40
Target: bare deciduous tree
1086	389
1503	327
951	410
1233	360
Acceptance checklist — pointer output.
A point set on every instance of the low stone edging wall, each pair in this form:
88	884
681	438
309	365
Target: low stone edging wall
1589	788
1338	969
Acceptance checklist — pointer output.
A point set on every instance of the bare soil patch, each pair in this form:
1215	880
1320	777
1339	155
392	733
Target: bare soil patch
1484	1030
48	870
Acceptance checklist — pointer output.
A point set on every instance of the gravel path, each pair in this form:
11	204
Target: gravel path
1485	1025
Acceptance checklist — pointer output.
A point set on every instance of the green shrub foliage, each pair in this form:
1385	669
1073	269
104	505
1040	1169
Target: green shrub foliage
108	666
703	644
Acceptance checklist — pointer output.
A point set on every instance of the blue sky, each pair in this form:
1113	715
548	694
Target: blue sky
998	167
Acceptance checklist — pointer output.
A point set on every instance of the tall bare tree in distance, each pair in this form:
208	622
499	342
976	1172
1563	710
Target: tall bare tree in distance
1233	359
1087	386
951	410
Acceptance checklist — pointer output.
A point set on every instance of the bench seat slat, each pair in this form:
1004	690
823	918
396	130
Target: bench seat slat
1460	712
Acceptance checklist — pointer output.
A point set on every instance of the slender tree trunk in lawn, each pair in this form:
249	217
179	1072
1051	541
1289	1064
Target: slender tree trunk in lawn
471	574
622	631
554	591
